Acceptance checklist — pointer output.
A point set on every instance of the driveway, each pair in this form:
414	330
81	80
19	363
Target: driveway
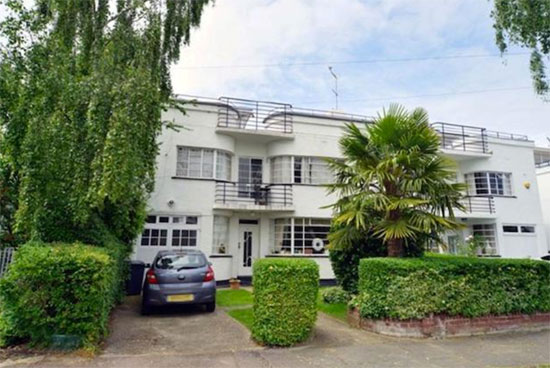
193	338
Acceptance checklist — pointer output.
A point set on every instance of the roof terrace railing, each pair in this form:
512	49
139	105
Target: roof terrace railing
462	137
254	115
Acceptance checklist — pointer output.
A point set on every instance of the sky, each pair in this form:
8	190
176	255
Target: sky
436	54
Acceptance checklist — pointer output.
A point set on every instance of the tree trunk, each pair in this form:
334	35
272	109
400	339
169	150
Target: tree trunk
395	248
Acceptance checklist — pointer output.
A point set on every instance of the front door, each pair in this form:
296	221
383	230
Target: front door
248	242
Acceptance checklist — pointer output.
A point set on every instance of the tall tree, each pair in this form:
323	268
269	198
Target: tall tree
82	87
526	23
393	182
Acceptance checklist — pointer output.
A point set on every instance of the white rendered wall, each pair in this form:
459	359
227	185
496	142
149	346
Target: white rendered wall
315	137
543	180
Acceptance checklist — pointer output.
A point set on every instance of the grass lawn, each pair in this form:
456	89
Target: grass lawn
233	298
243	315
338	310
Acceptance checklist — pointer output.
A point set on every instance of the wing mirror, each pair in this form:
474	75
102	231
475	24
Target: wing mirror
147	265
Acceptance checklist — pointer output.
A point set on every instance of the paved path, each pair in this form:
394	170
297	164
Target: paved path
196	339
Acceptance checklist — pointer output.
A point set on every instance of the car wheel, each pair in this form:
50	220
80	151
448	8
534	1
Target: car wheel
210	307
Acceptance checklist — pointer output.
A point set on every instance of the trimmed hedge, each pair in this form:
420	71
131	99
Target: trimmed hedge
335	295
414	288
66	289
285	300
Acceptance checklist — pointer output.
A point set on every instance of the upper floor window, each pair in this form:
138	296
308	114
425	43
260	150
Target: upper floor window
205	163
300	170
489	183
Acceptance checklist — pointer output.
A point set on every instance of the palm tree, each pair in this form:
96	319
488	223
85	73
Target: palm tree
393	182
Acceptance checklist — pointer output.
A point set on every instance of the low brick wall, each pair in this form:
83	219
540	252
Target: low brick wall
441	325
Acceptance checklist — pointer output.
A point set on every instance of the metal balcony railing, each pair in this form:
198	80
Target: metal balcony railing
478	204
256	116
265	195
462	137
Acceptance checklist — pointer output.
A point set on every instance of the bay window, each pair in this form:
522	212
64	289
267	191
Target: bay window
193	162
300	235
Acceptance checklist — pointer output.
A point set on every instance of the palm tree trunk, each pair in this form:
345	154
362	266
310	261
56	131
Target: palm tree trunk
395	248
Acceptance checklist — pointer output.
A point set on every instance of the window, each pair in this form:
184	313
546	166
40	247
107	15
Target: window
154	237
250	176
220	235
203	163
517	229
527	229
487	232
300	170
300	235
184	238
172	231
510	229
489	183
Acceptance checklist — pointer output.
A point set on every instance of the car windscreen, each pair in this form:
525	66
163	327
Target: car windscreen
180	261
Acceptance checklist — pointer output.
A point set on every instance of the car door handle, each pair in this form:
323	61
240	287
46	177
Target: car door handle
239	245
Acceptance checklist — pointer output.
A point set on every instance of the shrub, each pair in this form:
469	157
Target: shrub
59	288
285	300
345	260
469	287
335	295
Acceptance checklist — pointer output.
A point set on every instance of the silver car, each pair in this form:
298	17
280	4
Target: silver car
179	277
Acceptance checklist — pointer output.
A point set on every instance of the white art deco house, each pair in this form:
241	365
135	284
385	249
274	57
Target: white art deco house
244	179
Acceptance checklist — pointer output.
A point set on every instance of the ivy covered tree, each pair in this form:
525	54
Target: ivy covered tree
526	23
82	87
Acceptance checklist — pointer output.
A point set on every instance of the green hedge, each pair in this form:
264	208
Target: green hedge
285	300
465	286
66	289
334	295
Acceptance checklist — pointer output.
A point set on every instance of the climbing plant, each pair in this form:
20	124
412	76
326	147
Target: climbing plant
526	23
82	87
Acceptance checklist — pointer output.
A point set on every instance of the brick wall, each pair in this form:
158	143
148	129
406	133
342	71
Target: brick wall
442	325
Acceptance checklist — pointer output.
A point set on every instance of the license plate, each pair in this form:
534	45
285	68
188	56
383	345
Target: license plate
180	298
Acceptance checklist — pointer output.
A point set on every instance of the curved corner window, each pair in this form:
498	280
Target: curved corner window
193	162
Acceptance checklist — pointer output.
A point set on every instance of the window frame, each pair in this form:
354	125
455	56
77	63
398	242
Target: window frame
487	183
219	156
300	170
520	230
491	239
286	230
180	225
215	235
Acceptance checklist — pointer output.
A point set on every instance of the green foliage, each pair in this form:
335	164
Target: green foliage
82	88
334	295
393	182
60	289
469	287
338	310
232	298
285	300
526	23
